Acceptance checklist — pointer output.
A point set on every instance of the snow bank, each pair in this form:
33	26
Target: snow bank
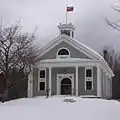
55	108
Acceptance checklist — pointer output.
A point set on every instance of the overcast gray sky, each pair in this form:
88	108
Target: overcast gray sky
88	17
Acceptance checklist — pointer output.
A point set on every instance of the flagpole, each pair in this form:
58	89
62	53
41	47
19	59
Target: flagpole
68	9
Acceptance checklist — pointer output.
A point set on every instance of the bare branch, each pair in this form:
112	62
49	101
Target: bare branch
16	50
117	9
113	25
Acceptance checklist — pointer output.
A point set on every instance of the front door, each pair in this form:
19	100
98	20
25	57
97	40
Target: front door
66	86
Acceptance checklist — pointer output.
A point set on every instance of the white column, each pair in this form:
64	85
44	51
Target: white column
30	84
106	87
76	76
111	87
98	81
50	82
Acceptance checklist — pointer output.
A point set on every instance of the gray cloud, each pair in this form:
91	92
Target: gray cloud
88	18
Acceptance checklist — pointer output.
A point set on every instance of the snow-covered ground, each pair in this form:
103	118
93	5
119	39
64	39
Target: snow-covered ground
54	108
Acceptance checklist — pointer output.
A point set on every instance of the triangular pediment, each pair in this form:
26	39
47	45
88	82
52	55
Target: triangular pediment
80	50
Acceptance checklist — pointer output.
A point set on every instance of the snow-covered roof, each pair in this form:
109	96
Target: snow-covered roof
77	45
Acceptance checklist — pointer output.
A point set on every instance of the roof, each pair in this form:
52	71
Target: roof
77	45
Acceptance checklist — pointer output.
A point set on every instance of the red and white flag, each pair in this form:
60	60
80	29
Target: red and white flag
70	9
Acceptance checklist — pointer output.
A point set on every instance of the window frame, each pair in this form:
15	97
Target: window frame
41	69
63	56
41	79
88	78
40	74
39	85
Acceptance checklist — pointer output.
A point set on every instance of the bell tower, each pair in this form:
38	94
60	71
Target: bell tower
67	29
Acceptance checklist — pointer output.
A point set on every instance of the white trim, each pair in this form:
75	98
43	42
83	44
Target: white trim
39	86
50	82
88	96
71	62
111	87
89	78
76	44
63	56
41	69
60	77
106	69
107	87
41	79
105	84
30	84
50	45
81	47
76	76
98	81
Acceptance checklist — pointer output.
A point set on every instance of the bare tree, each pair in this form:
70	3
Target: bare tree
113	59
116	24
16	51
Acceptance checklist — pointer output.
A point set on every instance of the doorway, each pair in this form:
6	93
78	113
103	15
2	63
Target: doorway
66	86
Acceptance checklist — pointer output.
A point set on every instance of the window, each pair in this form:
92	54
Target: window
88	79
63	53
41	86
42	79
88	85
88	73
42	73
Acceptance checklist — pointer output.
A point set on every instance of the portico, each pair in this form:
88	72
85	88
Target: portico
74	77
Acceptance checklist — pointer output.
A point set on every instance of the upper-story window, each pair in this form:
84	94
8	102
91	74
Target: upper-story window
63	53
42	73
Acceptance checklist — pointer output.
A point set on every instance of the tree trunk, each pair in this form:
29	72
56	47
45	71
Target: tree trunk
5	94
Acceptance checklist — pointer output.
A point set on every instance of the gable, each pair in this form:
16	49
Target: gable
78	50
74	53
